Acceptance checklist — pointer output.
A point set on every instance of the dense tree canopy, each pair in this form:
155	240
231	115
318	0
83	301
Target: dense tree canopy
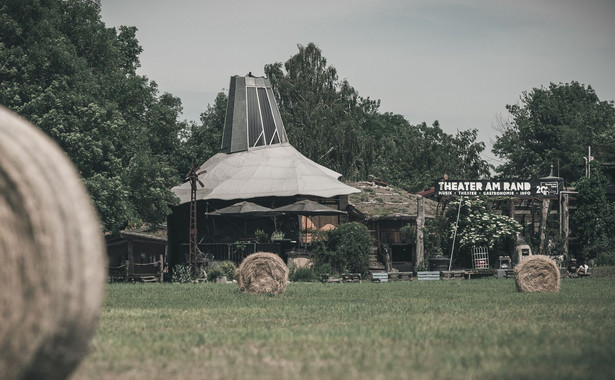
330	123
594	218
552	126
76	79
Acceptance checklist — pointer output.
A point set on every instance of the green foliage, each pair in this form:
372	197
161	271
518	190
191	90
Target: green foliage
345	249
408	231
277	235
480	226
329	122
225	268
594	217
76	80
302	275
182	274
238	247
553	125
605	257
200	141
261	236
422	266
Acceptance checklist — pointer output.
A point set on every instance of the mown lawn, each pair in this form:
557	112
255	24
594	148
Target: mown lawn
471	329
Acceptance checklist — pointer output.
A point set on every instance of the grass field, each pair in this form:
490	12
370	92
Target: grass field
477	329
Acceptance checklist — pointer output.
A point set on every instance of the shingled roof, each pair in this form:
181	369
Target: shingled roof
380	201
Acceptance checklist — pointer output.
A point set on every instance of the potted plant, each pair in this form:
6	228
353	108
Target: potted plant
438	261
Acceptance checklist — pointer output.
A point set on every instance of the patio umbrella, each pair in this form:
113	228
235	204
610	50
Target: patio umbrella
244	208
308	207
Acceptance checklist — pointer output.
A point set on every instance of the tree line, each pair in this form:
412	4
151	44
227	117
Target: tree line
76	79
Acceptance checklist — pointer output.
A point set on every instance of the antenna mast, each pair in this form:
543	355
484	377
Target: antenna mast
193	177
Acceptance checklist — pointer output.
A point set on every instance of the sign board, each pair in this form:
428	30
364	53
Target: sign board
534	188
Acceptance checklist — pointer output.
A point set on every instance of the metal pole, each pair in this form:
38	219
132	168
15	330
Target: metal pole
589	159
450	262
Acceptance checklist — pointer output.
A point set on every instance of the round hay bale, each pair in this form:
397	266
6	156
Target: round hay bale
53	260
537	273
263	272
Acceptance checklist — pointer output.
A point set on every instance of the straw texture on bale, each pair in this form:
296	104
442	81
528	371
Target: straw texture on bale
263	272
53	260
537	273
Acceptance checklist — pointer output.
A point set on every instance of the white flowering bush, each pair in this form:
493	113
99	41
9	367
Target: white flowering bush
479	226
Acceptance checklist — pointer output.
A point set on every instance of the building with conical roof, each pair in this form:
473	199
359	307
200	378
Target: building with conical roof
256	162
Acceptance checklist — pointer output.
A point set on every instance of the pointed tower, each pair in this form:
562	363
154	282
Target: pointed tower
252	116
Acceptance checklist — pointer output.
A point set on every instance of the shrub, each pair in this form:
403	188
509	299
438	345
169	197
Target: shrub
182	274
346	249
408	231
225	268
302	275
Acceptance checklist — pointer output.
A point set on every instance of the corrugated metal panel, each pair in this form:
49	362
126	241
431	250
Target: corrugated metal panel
276	116
228	121
255	126
252	116
239	137
265	107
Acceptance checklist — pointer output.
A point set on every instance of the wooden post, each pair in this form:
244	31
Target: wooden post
131	257
420	224
161	268
565	223
543	226
126	266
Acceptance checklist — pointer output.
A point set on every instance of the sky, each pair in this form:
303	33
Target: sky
458	62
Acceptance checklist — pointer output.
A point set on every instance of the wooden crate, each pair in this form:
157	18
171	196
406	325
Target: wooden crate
453	275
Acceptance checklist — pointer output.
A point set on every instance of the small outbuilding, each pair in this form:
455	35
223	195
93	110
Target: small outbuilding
137	255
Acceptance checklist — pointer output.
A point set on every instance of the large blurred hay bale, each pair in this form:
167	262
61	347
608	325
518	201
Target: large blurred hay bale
52	255
263	272
537	273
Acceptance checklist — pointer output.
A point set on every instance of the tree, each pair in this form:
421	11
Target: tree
328	121
594	217
552	126
76	80
202	141
325	117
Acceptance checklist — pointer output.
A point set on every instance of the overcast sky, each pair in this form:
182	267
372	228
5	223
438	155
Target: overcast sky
458	62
